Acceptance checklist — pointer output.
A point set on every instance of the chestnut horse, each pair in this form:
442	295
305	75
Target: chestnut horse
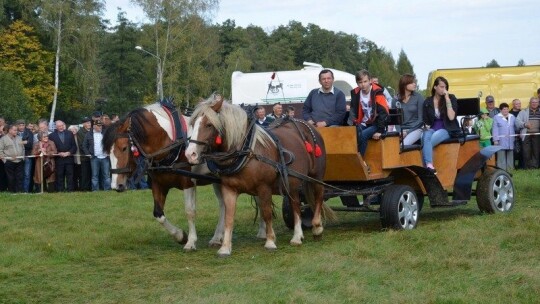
249	161
149	131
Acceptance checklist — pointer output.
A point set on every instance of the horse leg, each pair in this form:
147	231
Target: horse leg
159	203
216	240
298	235
229	198
317	227
265	200
261	234
190	195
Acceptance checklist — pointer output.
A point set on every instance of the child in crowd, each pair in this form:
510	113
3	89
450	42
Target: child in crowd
483	127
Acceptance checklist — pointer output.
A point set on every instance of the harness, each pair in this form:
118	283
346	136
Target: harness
219	165
169	163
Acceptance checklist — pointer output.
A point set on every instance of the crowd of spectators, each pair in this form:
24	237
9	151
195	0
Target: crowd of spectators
56	158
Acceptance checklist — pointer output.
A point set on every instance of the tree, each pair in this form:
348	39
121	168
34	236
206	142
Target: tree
124	82
492	64
404	66
14	102
75	26
22	54
169	23
521	62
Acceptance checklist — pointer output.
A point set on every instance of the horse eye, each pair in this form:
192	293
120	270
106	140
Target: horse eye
209	125
124	149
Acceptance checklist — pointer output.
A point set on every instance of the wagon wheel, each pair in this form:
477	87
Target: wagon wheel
306	214
495	192
399	208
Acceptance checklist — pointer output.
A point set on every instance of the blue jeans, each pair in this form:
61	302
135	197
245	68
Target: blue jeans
28	162
430	139
363	134
101	171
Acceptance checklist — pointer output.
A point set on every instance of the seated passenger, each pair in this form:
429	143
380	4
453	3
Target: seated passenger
440	119
369	110
411	102
261	118
325	106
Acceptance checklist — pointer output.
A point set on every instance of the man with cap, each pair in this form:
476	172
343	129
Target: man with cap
483	127
86	171
490	106
27	138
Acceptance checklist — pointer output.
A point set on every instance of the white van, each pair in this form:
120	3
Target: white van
285	87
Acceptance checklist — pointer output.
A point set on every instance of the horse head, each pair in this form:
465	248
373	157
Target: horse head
144	132
118	143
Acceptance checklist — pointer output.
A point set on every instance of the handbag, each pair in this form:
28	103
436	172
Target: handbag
48	169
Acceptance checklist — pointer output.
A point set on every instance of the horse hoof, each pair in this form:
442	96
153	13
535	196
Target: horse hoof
190	249
223	255
184	238
214	243
296	243
317	238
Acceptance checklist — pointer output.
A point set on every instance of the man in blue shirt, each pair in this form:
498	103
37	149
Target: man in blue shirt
325	106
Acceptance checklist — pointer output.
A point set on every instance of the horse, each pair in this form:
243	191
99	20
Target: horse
150	132
247	157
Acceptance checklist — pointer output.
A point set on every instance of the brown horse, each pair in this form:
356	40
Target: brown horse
149	132
221	136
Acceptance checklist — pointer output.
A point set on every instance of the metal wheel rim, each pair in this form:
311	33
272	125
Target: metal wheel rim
503	193
408	210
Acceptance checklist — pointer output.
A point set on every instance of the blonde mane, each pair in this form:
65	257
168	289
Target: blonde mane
231	122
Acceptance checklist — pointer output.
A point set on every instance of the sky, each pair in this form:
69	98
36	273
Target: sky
433	34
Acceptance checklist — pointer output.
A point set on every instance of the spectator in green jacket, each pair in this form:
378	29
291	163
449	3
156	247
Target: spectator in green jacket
483	127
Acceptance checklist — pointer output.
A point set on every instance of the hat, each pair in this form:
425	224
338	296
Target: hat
490	98
86	119
482	111
19	122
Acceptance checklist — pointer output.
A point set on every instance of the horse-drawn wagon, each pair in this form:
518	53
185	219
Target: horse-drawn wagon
392	180
303	164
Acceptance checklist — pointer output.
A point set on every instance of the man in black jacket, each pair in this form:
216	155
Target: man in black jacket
66	146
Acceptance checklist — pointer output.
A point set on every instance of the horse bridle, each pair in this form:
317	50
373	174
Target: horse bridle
134	145
126	169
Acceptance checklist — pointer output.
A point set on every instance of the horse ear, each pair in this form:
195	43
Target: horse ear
217	105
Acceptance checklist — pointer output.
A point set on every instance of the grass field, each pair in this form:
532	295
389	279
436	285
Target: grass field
106	247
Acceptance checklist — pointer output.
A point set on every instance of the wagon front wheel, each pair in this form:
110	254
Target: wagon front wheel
495	192
399	208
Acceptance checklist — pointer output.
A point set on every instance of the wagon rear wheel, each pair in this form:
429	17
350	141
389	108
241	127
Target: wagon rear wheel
399	208
306	214
495	192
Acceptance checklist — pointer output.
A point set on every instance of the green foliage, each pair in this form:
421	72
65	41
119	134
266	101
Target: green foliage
105	247
14	102
124	81
404	66
492	64
21	53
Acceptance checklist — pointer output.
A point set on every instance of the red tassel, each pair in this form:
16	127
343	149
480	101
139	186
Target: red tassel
218	140
135	151
318	151
309	147
273	75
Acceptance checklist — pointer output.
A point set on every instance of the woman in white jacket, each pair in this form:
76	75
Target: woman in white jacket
504	136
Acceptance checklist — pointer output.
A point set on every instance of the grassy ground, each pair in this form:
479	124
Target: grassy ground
107	248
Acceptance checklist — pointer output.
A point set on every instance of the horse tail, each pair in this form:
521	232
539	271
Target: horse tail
326	212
